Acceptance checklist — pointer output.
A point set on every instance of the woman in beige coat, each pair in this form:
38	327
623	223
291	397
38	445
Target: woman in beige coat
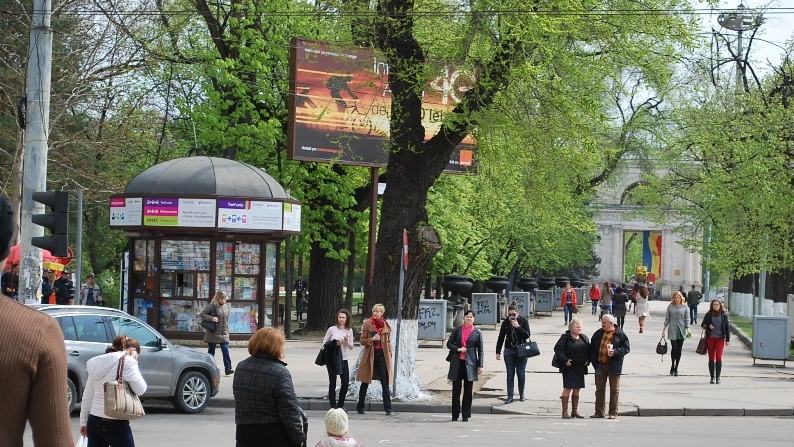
217	312
375	358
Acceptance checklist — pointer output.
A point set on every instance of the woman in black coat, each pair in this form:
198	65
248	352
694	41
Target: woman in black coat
572	354
465	363
514	331
718	336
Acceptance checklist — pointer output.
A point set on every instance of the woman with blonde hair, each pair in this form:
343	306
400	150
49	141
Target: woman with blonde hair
376	359
641	308
217	312
572	354
94	423
676	329
265	403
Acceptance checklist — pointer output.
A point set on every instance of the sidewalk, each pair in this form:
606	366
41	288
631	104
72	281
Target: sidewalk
647	389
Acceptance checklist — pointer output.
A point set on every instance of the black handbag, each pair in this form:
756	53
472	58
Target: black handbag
661	347
320	360
527	349
209	325
555	361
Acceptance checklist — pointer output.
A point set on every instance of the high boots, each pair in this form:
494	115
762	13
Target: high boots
574	406
718	370
711	371
565	407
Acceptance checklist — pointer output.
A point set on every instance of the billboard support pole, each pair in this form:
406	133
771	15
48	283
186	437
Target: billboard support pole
373	231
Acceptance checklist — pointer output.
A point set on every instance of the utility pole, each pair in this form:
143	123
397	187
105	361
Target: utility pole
39	72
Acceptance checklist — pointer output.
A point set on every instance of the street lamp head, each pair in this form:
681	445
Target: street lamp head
741	19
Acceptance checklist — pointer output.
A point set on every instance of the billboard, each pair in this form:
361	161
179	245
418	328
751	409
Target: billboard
341	103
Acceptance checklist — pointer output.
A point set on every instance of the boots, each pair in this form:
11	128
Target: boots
565	407
574	406
711	371
718	368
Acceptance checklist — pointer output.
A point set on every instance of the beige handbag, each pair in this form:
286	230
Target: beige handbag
120	401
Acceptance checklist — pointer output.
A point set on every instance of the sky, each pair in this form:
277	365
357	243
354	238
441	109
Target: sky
773	34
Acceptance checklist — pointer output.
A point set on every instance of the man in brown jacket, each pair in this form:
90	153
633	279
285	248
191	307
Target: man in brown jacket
33	366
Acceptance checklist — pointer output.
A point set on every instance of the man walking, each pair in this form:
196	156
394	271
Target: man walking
90	294
608	346
693	298
10	282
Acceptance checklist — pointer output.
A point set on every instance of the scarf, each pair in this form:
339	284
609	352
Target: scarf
465	331
378	325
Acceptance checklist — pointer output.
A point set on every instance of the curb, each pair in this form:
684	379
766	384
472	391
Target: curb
412	407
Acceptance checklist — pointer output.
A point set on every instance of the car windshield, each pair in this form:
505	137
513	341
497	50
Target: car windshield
133	329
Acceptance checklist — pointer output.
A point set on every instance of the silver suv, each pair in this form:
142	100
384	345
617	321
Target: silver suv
186	376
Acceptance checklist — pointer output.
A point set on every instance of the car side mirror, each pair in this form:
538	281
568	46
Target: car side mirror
160	344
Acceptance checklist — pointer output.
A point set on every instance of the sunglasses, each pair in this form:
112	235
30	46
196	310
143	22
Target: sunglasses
513	315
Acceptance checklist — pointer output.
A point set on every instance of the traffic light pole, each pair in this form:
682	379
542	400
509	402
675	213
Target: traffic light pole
39	68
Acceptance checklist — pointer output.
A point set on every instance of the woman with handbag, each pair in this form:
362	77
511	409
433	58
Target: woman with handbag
514	330
571	351
343	334
718	336
376	363
99	428
465	363
216	312
676	328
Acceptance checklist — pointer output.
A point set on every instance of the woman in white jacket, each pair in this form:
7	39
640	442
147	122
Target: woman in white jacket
101	430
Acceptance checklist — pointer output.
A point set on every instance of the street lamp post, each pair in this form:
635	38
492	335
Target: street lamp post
740	20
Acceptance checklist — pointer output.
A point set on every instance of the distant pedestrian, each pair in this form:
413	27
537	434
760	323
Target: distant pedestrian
641	309
465	363
47	280
342	333
376	360
595	297
10	282
266	410
676	329
606	299
217	312
693	298
718	336
572	350
568	298
608	346
619	301
336	426
90	294
514	331
64	289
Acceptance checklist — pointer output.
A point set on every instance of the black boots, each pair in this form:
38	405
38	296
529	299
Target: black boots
718	370
711	370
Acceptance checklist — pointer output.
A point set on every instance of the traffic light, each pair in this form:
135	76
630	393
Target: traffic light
57	222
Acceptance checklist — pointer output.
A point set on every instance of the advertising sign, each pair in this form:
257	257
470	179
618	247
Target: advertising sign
125	211
249	215
341	103
292	217
174	212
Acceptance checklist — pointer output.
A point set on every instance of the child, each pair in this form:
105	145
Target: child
336	427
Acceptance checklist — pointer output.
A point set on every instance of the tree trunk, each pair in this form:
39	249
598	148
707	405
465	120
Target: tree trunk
325	288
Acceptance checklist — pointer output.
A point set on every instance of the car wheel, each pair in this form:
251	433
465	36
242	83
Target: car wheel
72	393
192	393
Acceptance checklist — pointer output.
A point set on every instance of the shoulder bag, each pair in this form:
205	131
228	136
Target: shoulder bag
210	325
120	401
701	349
527	349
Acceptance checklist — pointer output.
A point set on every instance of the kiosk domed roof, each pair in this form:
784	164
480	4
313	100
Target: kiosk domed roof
206	176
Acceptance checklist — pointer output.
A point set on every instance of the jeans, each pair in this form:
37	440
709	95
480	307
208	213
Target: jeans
109	432
595	306
227	361
516	366
568	312
345	376
379	362
467	392
715	346
693	313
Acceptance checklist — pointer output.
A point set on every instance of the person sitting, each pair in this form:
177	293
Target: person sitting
336	428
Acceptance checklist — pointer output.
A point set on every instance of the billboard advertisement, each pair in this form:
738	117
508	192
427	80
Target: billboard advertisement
341	103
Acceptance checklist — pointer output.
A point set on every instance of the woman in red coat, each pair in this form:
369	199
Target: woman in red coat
568	302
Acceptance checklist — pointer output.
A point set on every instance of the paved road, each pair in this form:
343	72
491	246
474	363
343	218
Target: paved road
163	427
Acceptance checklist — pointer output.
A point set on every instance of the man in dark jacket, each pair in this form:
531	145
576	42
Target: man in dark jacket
47	283
693	298
608	346
64	289
10	282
